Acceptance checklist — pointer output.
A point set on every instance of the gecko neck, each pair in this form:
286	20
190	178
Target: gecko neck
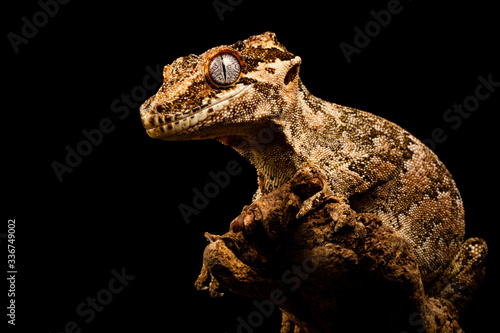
279	147
276	163
270	154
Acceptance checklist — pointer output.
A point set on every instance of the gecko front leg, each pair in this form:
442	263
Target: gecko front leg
325	195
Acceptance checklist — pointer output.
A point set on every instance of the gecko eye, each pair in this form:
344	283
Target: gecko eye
224	69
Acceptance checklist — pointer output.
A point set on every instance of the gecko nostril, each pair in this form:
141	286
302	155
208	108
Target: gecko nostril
159	108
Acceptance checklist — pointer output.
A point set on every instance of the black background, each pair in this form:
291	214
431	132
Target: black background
119	207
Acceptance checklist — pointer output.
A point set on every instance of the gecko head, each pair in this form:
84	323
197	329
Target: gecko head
228	90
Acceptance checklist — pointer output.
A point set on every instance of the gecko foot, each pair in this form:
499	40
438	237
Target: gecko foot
323	196
322	192
465	273
312	203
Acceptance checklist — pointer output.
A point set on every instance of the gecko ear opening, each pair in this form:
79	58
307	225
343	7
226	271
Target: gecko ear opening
293	71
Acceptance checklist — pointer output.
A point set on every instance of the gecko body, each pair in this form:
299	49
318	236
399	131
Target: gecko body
251	91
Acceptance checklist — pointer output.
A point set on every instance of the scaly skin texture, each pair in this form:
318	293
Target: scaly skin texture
265	112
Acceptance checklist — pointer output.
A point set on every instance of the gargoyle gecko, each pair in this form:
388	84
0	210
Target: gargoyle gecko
232	92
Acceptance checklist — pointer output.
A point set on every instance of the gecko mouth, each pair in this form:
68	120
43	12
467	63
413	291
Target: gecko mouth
161	126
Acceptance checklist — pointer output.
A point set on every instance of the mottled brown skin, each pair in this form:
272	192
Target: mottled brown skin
372	164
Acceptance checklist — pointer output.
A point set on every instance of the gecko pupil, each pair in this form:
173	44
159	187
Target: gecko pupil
224	69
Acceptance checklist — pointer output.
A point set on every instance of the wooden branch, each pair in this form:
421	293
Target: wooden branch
332	271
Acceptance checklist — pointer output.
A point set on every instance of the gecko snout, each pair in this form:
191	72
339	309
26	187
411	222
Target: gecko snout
148	107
